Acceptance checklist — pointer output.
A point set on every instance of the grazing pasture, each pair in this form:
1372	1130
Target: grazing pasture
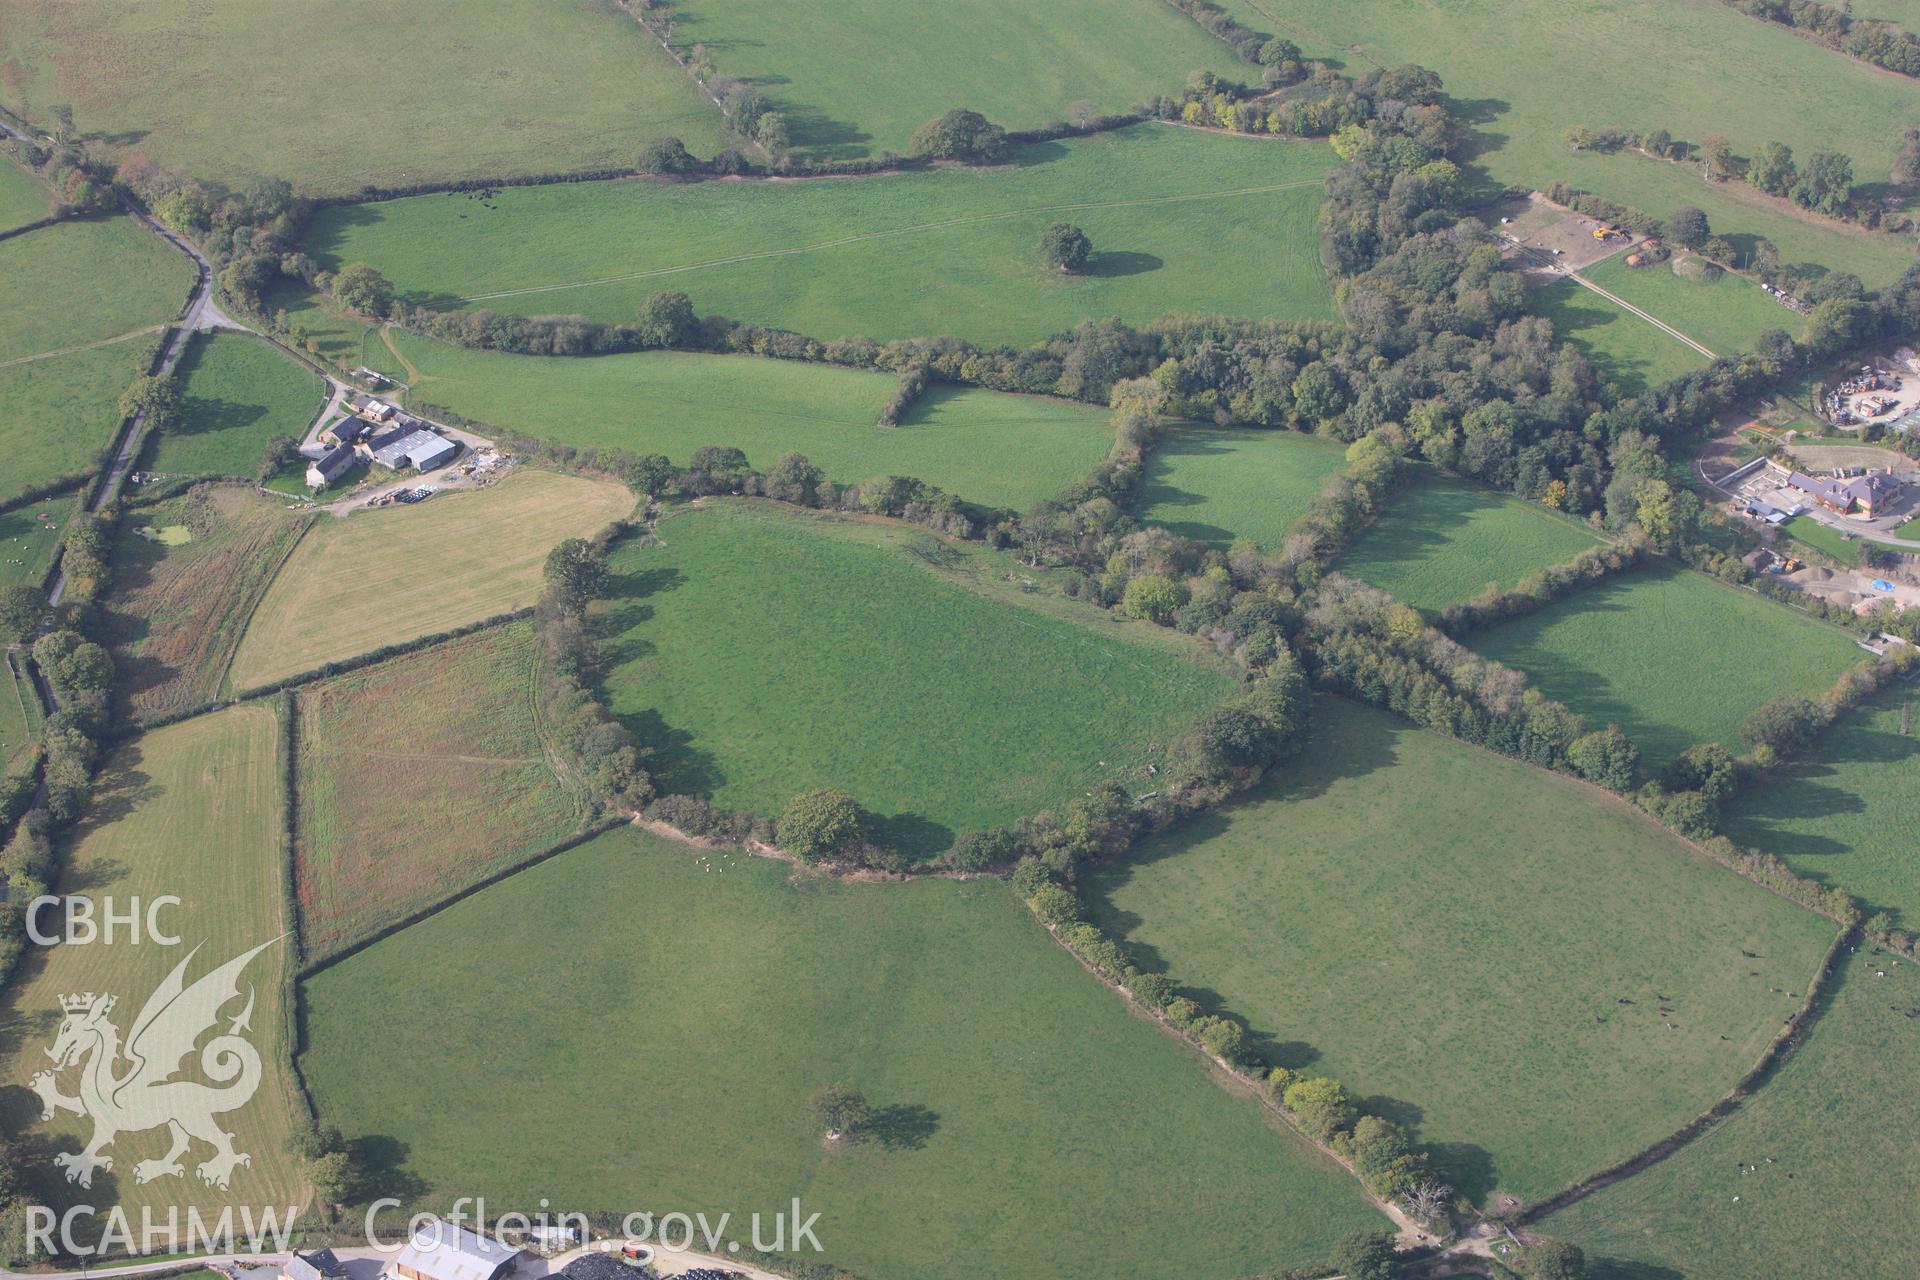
191	810
236	392
22	198
1809	1177
1448	932
857	77
418	777
28	537
1218	485
1527	70
1180	220
569	84
1850	815
1442	541
384	577
58	415
760	652
77	283
1629	354
986	446
187	574
1010	1089
1671	656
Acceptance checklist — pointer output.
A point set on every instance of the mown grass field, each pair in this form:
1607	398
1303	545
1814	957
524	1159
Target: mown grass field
986	446
236	391
22	198
1828	1141
1442	541
524	89
1727	313
1180	219
79	282
1448	932
1526	70
28	537
858	77
57	416
1216	486
375	578
417	778
1017	1095
1629	354
191	810
1672	656
760	652
187	574
1849	816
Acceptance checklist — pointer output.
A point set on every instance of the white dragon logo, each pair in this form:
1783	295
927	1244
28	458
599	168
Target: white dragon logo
145	1095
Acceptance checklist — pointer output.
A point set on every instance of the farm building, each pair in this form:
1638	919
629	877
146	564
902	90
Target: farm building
420	449
346	431
444	1251
319	1264
1860	495
330	466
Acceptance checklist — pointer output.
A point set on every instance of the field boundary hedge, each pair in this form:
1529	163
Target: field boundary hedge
382	654
591	831
1546	586
1777	1051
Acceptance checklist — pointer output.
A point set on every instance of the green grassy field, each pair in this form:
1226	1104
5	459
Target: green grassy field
948	706
237	392
80	282
1826	539
1629	354
19	713
1727	314
1849	816
58	415
858	77
22	198
62	289
1827	1141
1526	70
986	446
1013	1092
28	537
1448	932
375	578
1671	656
1180	219
191	810
187	574
1442	541
524	89
419	777
1215	486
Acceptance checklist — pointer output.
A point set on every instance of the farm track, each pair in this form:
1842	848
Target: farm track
842	241
85	346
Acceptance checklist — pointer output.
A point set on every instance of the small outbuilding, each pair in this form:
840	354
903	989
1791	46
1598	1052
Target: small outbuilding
330	466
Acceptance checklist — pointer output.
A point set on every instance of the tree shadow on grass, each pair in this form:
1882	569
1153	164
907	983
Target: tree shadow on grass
1467	1168
677	766
201	414
903	1126
914	835
1111	265
383	1162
